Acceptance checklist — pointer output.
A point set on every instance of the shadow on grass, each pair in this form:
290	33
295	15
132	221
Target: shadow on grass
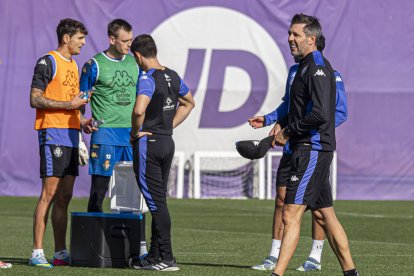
214	265
14	260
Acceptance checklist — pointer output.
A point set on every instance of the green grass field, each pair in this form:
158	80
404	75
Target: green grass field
226	237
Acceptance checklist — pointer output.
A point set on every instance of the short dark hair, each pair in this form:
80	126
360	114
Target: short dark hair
320	43
145	45
312	25
70	27
117	24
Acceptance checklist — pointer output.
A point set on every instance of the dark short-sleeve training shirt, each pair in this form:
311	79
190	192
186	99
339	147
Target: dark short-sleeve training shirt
164	87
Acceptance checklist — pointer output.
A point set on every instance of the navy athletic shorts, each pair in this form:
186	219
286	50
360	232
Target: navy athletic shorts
58	161
309	179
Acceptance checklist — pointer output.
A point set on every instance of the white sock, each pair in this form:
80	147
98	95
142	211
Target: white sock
275	248
316	251
62	254
143	248
36	252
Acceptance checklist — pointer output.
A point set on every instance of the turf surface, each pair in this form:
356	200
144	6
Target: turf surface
226	237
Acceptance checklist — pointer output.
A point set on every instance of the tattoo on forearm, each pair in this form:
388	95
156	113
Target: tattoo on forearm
43	102
39	101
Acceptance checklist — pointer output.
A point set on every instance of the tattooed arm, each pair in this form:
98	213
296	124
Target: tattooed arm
38	100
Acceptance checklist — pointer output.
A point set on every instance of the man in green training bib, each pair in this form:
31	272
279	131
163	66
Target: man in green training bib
113	75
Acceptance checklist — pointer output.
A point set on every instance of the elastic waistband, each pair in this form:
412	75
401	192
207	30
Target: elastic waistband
301	146
159	135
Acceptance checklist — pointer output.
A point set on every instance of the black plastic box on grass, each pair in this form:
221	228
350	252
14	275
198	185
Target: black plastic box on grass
104	239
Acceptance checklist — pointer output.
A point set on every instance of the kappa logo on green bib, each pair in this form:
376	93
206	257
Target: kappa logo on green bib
122	79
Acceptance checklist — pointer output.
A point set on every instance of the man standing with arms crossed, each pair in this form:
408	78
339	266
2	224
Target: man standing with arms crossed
55	95
310	129
113	74
163	102
313	262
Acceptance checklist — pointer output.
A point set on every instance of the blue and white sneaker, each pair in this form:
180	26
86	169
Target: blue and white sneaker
40	261
310	265
268	264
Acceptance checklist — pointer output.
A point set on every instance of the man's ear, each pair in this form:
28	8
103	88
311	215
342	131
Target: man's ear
65	38
112	40
312	40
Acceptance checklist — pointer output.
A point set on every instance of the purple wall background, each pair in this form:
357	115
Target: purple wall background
370	42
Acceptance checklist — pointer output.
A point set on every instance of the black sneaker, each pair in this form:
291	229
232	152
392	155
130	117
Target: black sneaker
140	262
163	265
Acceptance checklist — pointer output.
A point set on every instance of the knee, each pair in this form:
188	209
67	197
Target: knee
280	202
65	198
317	215
319	218
288	218
321	222
47	196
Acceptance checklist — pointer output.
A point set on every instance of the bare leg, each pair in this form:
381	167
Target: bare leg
60	211
317	230
292	217
277	218
49	187
336	236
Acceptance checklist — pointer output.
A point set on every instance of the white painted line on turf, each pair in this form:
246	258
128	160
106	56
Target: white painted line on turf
220	254
372	215
207	254
302	237
383	243
380	255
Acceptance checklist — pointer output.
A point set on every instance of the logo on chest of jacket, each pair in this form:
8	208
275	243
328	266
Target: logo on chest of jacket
168	104
319	72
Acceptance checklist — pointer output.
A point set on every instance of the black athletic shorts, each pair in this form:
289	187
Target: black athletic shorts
309	179
283	171
58	161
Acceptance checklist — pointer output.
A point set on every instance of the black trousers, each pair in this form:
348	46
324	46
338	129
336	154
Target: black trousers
153	156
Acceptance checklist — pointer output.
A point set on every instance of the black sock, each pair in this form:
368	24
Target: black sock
352	272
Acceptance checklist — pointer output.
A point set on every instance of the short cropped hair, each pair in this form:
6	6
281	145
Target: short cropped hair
117	24
312	25
145	45
70	27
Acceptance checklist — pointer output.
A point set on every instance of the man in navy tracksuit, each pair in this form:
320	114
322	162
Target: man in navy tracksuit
310	129
313	262
163	101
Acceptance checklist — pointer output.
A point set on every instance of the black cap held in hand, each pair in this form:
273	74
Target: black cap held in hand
254	149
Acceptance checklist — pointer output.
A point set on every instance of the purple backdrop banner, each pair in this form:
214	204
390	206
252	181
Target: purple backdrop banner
221	47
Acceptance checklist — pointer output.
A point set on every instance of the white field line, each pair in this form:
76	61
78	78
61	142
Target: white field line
373	215
268	235
219	254
249	213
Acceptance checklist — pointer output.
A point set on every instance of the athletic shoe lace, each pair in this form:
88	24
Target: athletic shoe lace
41	258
